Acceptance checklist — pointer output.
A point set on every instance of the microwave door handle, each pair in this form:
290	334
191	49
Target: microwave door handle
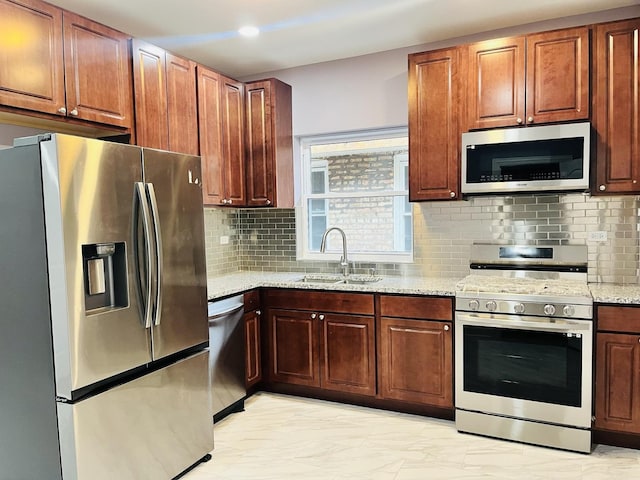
527	323
146	219
158	252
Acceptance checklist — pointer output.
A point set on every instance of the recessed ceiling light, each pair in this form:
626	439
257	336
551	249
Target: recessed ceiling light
249	31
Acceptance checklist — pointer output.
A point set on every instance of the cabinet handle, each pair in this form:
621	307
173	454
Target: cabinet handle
313	316
530	119
320	317
446	328
452	194
519	121
268	202
62	110
74	112
602	188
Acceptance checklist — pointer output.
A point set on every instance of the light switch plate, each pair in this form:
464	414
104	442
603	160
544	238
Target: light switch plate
599	236
224	240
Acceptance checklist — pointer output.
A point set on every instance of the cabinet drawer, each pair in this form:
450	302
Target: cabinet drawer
431	308
618	319
251	300
323	301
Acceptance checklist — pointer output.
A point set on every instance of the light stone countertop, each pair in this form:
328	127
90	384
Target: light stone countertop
233	283
239	282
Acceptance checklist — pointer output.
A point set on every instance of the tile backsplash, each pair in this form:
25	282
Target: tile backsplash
265	239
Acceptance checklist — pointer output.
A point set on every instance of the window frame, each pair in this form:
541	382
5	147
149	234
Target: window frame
302	214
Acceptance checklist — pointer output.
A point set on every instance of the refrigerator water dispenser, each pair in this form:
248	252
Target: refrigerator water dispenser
105	276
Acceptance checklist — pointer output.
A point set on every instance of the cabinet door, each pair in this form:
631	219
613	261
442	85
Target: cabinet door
233	141
348	353
496	83
616	106
182	105
210	128
97	72
618	382
434	134
416	361
294	347
558	76
269	144
252	347
149	81
31	72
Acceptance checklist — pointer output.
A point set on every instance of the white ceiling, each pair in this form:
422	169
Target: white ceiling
302	32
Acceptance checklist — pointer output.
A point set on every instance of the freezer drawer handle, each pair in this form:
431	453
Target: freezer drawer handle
158	253
146	218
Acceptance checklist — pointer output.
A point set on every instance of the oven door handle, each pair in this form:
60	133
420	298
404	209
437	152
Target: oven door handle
524	323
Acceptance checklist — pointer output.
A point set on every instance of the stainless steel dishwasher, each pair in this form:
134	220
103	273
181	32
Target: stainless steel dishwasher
226	356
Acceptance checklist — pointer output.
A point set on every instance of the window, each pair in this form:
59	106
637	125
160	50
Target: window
358	182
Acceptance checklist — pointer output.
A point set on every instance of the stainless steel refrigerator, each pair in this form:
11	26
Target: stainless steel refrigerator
103	312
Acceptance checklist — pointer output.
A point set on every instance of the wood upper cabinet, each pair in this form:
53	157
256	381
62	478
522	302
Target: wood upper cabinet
616	106
71	66
415	357
434	133
165	99
617	390
313	346
269	144
540	78
220	121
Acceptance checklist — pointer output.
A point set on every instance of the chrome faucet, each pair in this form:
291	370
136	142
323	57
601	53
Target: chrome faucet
344	262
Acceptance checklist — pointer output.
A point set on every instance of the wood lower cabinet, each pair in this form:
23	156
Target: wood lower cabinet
252	335
269	144
72	67
533	79
316	347
617	390
434	133
616	104
415	358
220	122
165	99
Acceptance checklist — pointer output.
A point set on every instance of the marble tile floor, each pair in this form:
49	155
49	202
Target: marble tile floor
281	437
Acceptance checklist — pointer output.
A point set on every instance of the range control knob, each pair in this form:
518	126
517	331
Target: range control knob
474	304
491	306
569	310
549	309
518	308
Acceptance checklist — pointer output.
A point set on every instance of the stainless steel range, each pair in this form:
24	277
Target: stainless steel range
524	343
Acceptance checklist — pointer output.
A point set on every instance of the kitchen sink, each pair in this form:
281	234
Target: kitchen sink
339	279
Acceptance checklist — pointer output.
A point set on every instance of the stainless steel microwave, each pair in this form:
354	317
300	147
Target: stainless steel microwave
526	159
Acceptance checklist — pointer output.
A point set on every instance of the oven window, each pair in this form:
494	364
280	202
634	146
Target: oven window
526	161
523	364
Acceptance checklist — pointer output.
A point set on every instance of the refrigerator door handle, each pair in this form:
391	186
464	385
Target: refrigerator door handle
158	253
146	219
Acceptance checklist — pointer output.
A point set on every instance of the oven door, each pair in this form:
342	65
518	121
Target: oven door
533	368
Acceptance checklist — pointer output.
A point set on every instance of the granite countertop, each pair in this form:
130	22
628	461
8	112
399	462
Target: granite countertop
239	282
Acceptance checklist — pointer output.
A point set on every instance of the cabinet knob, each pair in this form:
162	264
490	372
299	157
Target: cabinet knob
446	328
313	316
530	119
74	112
258	312
268	202
320	317
452	194
229	201
62	110
519	121
602	188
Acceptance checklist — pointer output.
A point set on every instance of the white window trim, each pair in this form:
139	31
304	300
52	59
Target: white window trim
302	217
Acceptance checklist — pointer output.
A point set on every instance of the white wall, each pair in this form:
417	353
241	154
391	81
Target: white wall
371	91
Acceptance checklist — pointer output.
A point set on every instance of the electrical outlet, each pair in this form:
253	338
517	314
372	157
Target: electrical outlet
224	240
598	236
